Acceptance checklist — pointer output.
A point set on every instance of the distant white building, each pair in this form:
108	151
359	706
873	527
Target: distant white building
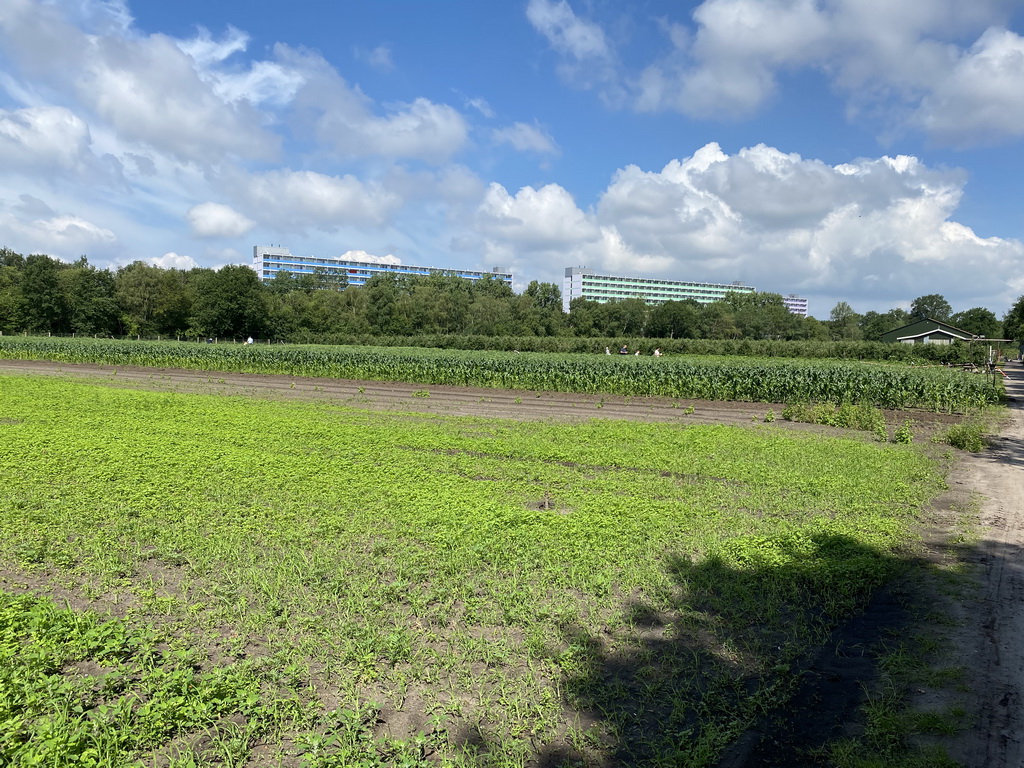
269	260
795	304
580	282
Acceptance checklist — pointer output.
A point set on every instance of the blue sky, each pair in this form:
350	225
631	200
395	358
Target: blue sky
845	150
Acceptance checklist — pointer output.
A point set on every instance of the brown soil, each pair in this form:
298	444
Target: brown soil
524	405
989	640
991	637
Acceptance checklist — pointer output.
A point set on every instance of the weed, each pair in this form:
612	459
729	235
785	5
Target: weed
967	436
904	433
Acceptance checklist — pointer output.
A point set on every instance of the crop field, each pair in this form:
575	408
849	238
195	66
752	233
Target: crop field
773	380
191	579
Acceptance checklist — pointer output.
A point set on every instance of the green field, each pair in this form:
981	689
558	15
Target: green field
302	583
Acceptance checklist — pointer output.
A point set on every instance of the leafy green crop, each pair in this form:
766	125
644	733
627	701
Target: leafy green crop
622	591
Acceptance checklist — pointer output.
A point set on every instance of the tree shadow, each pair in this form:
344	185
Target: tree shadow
759	656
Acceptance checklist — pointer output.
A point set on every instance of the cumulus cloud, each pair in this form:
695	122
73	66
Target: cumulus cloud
982	94
358	255
216	220
172	260
874	229
297	200
45	138
145	87
32	226
526	138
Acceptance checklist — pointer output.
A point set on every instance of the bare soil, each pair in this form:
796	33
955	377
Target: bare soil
989	640
523	405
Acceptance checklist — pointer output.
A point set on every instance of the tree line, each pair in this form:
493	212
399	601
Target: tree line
40	294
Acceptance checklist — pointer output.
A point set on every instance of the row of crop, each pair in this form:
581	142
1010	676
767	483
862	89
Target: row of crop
956	353
844	350
714	378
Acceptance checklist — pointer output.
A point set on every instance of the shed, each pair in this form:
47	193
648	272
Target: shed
928	331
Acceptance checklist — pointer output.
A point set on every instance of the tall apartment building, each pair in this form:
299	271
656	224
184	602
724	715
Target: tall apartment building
269	260
795	304
582	282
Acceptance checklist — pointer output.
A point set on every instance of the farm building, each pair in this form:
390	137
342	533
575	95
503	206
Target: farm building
928	331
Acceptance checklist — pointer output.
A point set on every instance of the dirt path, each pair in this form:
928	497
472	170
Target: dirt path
994	638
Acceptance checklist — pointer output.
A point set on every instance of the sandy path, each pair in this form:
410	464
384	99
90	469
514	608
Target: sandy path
994	642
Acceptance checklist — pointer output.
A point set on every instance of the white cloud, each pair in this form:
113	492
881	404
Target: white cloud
216	220
379	58
206	51
172	260
545	218
38	138
72	229
297	200
982	95
481	106
902	65
32	226
587	59
566	32
345	119
880	230
526	138
145	87
358	255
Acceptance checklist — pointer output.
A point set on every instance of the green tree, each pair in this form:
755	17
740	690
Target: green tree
384	310
89	297
153	301
675	320
230	302
717	321
541	309
874	324
979	321
761	315
933	306
44	305
582	320
1013	321
844	323
11	299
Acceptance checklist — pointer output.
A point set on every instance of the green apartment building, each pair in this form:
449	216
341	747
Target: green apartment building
580	282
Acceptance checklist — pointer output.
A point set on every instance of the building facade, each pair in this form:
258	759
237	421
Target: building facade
269	260
580	282
795	304
928	331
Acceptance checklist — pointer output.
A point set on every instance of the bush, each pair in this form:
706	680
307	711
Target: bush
967	436
903	433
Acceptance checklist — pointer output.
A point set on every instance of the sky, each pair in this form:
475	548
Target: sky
865	151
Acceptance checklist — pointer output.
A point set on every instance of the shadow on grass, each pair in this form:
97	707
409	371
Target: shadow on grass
759	656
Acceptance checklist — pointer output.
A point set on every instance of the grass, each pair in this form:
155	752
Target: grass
403	588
